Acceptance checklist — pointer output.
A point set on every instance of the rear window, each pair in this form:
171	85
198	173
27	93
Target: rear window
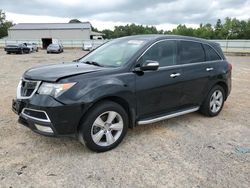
211	54
191	52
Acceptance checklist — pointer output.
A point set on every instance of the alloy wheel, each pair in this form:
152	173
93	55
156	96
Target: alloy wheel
216	101
107	128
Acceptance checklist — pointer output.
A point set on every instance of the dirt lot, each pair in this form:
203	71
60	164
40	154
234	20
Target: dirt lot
187	151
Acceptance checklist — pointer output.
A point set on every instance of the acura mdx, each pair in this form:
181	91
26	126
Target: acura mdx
123	83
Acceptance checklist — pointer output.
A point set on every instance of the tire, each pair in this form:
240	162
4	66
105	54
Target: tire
97	131
214	102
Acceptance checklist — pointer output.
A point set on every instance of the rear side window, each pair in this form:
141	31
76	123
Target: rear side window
163	52
191	52
211	54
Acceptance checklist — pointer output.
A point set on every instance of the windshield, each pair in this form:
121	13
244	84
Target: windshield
53	45
114	53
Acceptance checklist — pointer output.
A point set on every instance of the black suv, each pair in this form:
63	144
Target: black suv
126	82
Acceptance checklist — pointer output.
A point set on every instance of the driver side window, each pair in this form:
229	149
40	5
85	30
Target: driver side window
163	52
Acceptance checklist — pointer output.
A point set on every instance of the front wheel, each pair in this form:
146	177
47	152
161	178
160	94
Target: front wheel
104	126
214	102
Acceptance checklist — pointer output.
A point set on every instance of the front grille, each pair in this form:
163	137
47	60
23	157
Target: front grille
27	88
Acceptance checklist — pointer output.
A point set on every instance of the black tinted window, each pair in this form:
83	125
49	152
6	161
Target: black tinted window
191	52
164	52
211	55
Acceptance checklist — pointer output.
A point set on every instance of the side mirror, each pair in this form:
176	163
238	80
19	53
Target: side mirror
149	65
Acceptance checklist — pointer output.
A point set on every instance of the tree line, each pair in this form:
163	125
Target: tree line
230	28
4	24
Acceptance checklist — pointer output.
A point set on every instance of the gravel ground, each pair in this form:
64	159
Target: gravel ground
187	151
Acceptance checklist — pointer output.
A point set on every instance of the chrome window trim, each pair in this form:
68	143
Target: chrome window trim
18	93
190	40
186	65
38	119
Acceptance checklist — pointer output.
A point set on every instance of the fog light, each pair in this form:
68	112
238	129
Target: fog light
44	128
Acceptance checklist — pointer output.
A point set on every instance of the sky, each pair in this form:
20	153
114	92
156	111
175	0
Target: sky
105	14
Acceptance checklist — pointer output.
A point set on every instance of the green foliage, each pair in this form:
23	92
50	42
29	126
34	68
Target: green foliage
4	24
230	29
74	21
132	29
108	34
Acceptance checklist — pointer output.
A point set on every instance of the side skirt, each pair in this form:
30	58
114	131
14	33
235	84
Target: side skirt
168	116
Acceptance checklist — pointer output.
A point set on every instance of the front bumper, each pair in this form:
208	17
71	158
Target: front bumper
13	50
46	116
53	50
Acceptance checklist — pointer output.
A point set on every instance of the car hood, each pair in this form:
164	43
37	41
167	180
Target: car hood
55	72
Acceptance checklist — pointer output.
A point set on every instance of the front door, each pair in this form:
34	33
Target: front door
158	92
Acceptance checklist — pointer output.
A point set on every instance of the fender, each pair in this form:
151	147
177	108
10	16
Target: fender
92	89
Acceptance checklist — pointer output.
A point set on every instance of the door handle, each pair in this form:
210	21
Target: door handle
174	75
209	69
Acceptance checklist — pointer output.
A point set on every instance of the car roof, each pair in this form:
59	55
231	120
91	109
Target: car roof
152	37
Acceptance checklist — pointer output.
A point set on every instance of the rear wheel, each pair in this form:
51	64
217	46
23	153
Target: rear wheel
214	102
104	126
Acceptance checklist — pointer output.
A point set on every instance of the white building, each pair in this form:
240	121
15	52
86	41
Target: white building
47	32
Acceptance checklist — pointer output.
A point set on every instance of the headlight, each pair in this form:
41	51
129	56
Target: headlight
54	90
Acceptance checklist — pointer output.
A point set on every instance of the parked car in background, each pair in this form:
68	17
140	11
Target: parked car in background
33	47
87	46
55	48
30	46
17	48
126	82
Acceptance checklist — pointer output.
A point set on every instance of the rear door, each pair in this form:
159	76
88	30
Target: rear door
195	72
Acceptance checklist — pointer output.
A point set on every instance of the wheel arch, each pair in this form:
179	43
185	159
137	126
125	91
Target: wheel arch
224	86
119	100
220	83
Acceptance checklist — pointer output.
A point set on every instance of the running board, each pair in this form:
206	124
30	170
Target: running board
143	122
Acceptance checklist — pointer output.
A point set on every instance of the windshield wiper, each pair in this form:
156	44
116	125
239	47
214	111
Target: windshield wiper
93	63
